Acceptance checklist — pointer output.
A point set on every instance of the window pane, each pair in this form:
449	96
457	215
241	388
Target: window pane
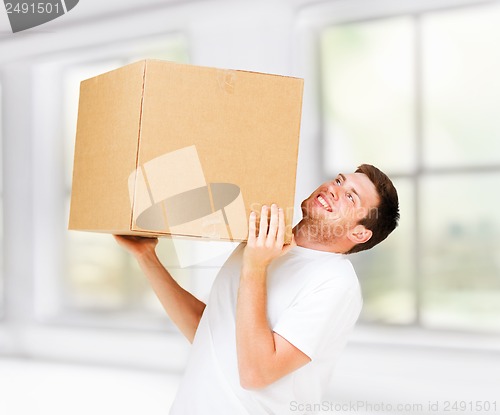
367	85
461	63
461	251
97	273
104	277
386	272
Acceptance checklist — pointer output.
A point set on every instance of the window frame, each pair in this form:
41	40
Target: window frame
312	20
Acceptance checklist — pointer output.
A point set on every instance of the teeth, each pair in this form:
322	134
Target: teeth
323	202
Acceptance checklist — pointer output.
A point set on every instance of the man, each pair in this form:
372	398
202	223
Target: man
278	315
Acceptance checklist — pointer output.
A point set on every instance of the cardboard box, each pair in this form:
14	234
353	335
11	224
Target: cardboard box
172	149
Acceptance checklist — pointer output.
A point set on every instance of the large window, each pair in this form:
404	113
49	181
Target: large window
419	96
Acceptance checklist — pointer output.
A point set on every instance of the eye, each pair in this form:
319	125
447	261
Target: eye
338	182
349	196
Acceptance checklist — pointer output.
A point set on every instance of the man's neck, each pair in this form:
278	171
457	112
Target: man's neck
304	239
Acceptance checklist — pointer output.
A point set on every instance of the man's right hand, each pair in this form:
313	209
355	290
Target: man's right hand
137	245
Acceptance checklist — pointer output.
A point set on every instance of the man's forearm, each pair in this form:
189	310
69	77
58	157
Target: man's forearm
254	338
263	356
183	308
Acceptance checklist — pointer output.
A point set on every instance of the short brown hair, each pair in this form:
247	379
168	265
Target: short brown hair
383	219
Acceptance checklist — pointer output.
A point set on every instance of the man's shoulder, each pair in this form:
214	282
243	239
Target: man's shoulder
328	262
325	270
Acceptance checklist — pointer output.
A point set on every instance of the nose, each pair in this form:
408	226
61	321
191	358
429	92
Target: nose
335	190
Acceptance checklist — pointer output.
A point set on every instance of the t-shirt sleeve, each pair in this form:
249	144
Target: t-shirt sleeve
321	313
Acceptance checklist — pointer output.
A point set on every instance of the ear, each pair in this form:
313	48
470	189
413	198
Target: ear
359	234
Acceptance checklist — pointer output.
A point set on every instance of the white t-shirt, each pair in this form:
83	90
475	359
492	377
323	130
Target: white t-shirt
313	301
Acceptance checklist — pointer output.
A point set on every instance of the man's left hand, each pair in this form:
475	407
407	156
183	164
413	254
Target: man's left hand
268	242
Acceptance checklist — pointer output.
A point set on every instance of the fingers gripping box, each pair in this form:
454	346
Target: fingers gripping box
172	149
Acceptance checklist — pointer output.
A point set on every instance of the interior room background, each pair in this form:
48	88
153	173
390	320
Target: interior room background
410	86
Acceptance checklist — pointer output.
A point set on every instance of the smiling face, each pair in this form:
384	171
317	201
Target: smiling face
332	213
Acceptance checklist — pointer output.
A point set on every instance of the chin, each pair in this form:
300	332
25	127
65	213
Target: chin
313	211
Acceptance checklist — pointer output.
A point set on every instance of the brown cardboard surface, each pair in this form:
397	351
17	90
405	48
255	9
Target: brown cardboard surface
165	148
105	149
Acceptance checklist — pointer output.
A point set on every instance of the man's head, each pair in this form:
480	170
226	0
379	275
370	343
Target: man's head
384	218
351	213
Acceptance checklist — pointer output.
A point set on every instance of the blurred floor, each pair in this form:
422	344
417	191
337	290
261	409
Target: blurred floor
420	379
42	388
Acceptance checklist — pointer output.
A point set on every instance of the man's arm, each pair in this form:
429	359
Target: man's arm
182	307
263	356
